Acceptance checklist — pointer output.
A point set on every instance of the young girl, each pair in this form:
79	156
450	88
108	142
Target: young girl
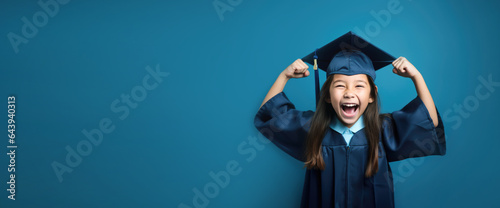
346	145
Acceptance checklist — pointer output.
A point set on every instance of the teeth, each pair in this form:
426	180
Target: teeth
349	105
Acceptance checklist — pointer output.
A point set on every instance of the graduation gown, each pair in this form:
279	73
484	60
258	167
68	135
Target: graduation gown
407	133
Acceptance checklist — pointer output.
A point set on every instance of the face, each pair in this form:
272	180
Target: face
349	97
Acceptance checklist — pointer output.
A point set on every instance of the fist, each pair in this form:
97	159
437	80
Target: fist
297	69
404	68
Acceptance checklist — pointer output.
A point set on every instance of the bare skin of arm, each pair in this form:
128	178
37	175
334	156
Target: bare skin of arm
297	69
404	68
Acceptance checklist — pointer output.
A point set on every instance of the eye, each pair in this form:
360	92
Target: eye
339	85
361	86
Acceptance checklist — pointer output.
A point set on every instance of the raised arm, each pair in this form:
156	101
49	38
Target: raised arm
297	69
404	68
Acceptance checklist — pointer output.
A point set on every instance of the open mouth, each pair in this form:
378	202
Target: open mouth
350	109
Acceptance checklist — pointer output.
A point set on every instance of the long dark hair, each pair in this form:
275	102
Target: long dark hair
321	121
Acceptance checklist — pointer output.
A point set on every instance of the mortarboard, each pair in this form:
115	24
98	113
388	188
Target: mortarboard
349	54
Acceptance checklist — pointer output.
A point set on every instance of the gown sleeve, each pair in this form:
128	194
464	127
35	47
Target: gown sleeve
410	133
286	127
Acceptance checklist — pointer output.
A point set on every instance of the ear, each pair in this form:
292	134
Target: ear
371	99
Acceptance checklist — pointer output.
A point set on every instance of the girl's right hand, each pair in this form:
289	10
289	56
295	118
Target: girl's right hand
297	69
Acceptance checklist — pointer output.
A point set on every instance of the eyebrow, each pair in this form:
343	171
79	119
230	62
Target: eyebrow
359	80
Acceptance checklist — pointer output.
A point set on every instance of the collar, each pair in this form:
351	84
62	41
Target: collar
336	125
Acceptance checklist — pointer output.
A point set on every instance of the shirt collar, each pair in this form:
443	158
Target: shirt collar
336	125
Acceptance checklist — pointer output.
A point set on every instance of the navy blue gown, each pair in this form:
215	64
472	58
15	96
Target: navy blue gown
407	133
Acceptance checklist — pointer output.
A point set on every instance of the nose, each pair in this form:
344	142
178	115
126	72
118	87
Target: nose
348	94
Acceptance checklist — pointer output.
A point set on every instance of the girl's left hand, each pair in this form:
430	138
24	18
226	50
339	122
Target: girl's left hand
404	68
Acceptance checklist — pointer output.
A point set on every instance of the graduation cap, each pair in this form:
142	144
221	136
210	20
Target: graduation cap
349	54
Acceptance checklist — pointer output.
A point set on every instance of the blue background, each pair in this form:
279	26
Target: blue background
86	56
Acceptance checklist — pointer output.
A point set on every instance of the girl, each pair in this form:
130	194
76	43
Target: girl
346	145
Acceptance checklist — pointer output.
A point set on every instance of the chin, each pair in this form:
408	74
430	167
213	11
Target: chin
348	121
